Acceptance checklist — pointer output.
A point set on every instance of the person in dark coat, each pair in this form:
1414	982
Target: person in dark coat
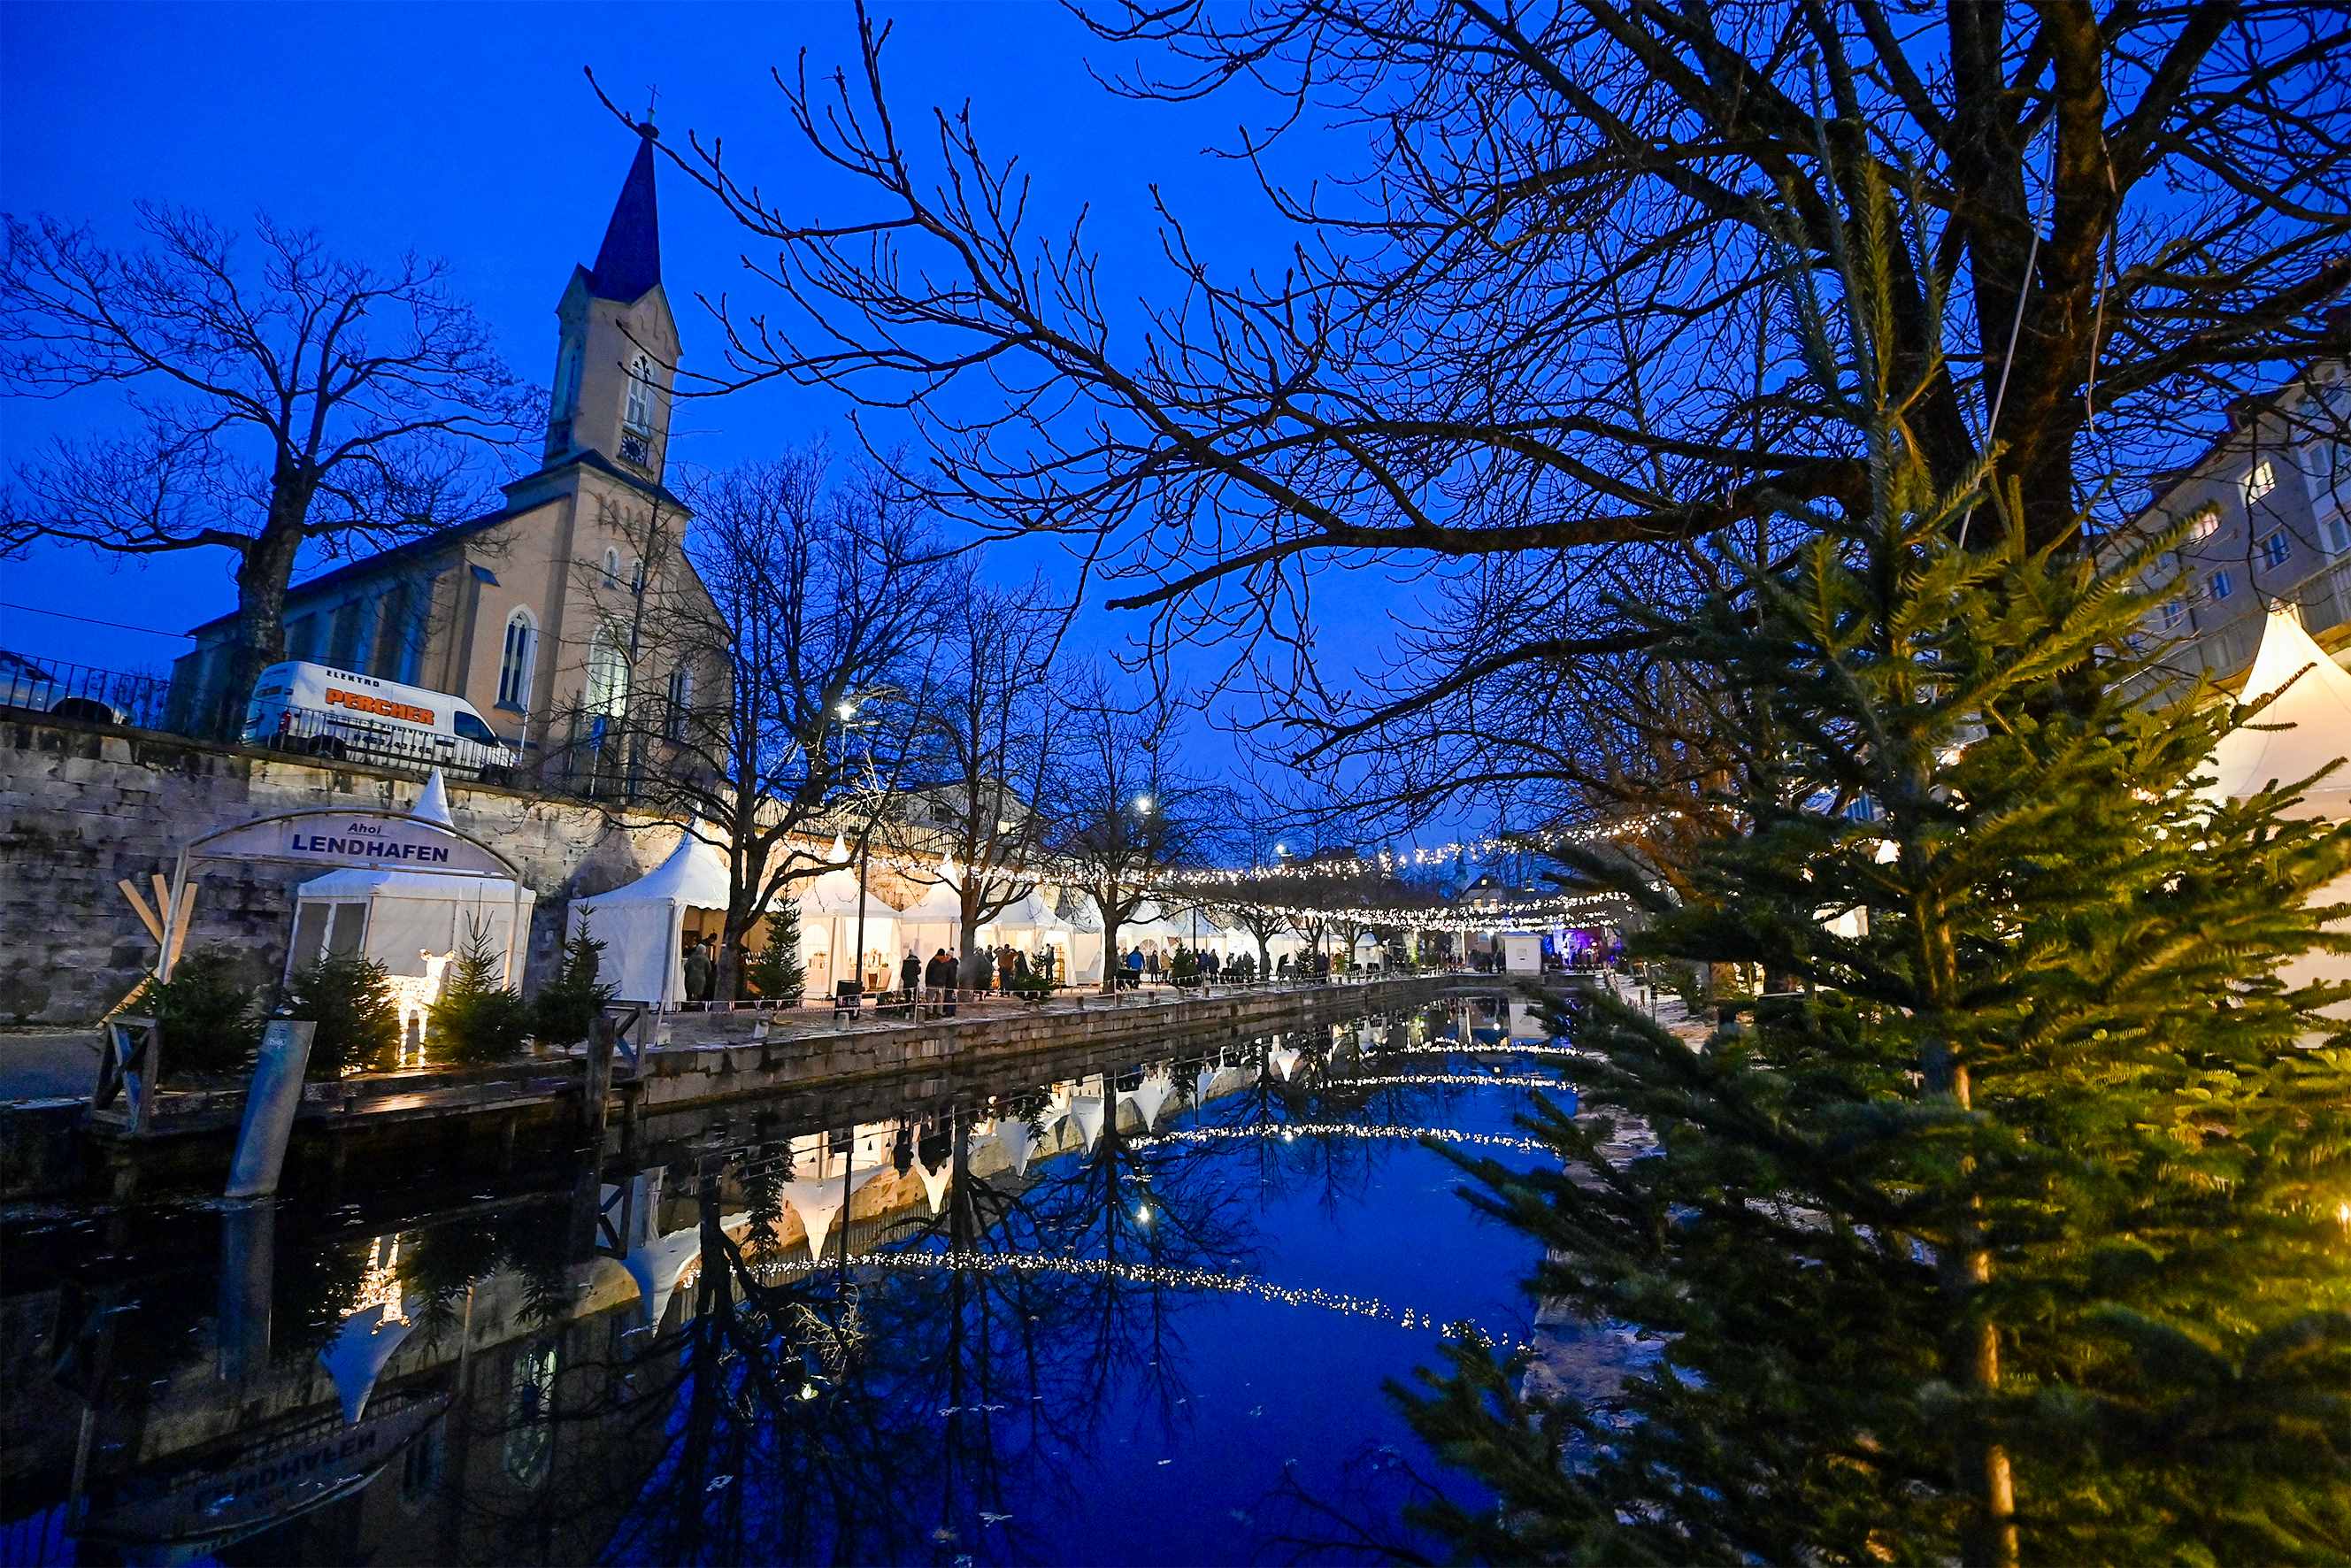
697	973
940	976
910	978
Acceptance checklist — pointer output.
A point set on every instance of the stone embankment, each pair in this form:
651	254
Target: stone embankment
83	806
493	1114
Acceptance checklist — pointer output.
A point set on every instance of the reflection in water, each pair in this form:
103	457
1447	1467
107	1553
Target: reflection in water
1133	1312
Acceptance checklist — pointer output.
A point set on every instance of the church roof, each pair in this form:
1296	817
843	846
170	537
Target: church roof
628	263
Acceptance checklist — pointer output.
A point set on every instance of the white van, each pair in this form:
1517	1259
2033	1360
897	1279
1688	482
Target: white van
321	711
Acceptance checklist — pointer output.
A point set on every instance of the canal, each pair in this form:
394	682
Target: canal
1063	1311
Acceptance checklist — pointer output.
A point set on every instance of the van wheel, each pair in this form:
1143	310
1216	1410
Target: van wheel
494	774
87	709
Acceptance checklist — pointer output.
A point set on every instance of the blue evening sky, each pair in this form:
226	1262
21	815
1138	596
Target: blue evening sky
469	132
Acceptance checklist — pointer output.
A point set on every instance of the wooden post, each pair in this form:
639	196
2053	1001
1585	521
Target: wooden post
596	1094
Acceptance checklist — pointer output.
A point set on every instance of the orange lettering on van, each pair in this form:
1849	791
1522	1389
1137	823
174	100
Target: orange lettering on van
362	702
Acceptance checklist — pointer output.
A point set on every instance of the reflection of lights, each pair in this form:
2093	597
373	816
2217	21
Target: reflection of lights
808	1391
1159	1274
1143	1214
1346	1129
1434	1080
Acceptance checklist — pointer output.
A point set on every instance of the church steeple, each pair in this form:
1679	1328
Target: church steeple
629	262
616	359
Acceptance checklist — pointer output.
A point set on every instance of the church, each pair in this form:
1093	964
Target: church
554	615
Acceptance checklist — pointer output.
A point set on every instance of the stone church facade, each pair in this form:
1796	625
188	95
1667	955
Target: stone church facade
540	613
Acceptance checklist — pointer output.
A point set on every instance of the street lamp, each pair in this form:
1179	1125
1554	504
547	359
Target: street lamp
1143	805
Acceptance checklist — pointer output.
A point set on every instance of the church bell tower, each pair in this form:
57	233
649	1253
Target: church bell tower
616	359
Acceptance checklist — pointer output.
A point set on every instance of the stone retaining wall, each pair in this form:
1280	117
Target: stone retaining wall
82	805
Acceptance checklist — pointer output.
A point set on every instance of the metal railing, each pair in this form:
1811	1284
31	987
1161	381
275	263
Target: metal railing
84	692
305	732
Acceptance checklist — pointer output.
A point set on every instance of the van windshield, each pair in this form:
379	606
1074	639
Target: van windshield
472	728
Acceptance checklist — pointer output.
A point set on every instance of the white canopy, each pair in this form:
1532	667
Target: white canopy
934	921
829	906
639	923
2306	728
396	916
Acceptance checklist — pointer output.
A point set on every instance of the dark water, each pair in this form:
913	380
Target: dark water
1040	1333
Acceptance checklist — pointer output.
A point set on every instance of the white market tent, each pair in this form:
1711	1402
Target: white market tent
2305	729
639	923
830	904
399	918
1078	913
931	922
1031	926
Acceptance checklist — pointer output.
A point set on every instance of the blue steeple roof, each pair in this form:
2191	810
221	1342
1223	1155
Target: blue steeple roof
628	263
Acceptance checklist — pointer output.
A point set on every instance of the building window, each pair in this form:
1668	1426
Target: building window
640	416
608	675
2202	528
343	636
516	665
530	1398
681	700
2277	549
2174	612
567	380
612	566
2261	481
2221	584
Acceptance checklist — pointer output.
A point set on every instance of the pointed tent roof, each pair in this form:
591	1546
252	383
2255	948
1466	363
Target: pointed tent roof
695	873
2308	727
628	263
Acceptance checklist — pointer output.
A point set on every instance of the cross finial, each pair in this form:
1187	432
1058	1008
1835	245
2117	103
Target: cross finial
652	98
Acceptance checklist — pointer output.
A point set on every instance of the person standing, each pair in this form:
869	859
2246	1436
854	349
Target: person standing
697	973
910	980
941	977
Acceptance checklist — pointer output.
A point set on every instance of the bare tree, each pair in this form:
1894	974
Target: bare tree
980	791
1540	321
816	609
1124	814
284	403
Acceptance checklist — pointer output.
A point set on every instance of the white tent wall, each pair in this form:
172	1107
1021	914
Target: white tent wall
2306	728
408	914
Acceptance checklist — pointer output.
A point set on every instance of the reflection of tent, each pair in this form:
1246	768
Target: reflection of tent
818	1202
396	916
639	923
1149	1097
356	1357
2306	728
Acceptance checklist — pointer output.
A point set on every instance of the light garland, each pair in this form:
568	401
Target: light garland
1289	1131
1163	1275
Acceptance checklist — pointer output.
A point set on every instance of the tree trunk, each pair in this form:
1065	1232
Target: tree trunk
263	572
1111	967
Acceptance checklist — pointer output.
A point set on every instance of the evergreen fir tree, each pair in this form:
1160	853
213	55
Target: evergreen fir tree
348	997
776	972
2016	1236
478	1018
566	1008
206	1014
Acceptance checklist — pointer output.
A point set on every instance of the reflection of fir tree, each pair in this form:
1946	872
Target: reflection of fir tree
2014	1236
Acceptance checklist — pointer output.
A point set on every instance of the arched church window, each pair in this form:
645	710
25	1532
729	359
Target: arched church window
608	675
681	700
567	380
611	567
516	663
640	416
